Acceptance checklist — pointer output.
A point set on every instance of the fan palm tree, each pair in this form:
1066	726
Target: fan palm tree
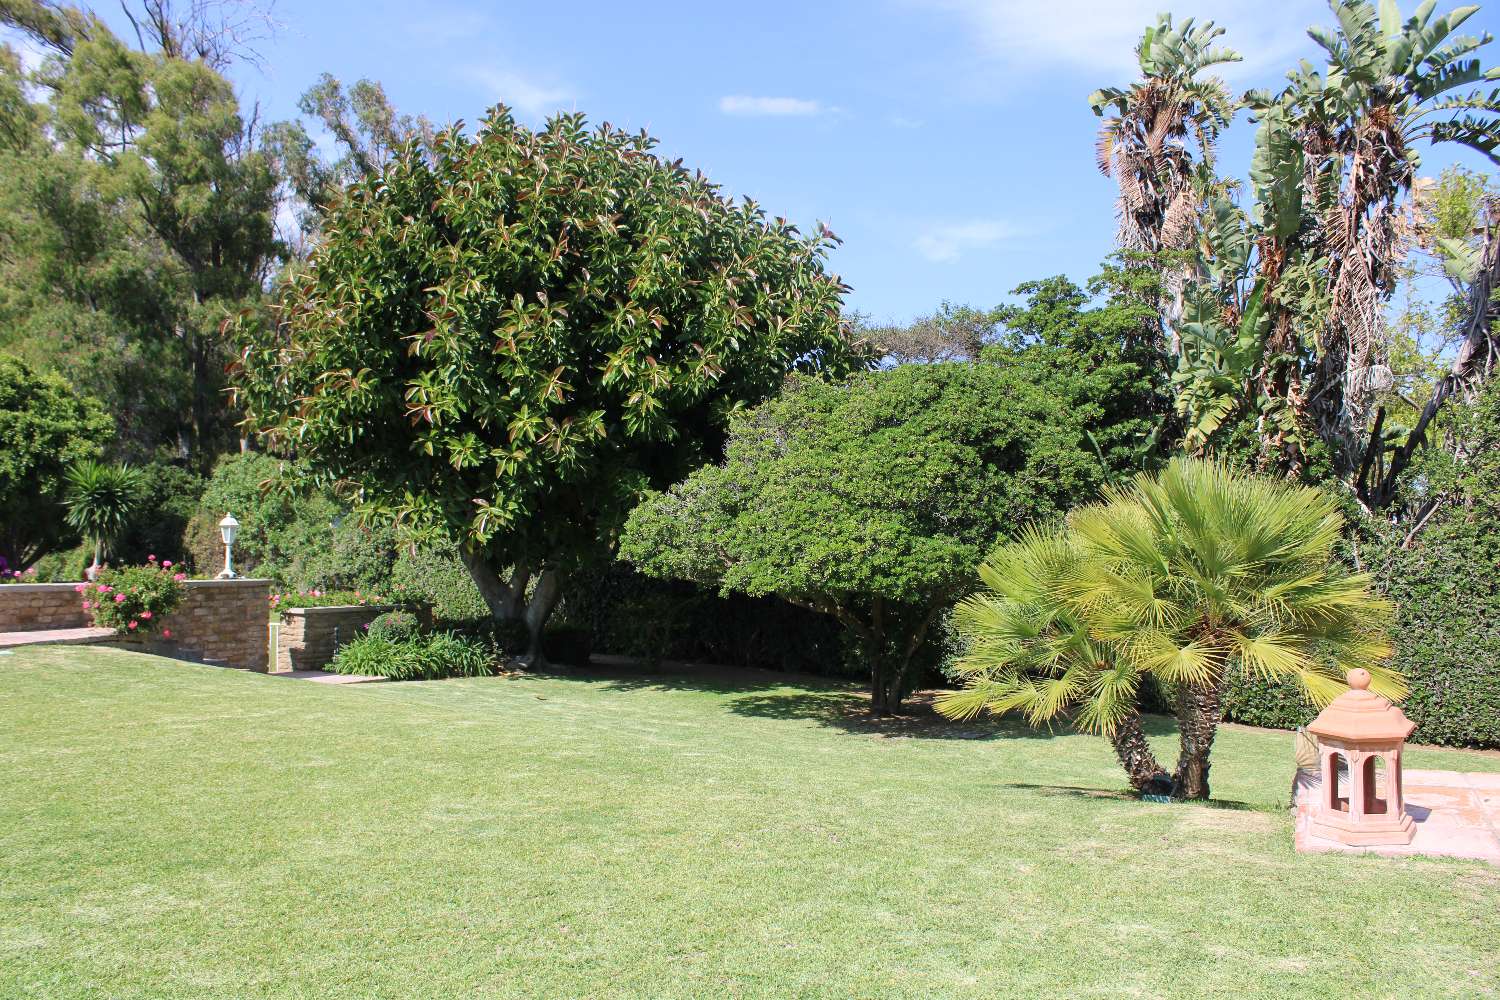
1186	576
1164	129
101	498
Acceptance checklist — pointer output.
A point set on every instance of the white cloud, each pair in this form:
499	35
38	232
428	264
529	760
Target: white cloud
530	97
1099	36
775	106
903	121
947	242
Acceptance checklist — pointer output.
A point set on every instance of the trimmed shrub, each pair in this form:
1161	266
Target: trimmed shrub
436	578
432	657
395	626
324	599
1447	634
133	599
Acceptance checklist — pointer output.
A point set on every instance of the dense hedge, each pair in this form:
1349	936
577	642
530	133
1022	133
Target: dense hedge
1447	635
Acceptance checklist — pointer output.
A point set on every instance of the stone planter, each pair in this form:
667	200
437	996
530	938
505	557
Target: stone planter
309	637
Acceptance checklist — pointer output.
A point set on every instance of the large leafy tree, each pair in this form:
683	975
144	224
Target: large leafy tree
871	500
501	340
45	427
1186	577
136	212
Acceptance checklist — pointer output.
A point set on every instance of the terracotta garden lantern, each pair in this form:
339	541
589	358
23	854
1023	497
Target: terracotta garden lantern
1360	728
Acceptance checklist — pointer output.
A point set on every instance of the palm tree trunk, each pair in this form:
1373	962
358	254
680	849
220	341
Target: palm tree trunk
1134	751
1198	709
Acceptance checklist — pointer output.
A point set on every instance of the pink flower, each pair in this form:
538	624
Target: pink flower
146	615
168	564
179	577
119	598
151	558
132	626
166	633
104	589
80	589
86	605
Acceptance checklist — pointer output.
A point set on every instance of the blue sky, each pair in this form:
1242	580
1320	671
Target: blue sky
949	142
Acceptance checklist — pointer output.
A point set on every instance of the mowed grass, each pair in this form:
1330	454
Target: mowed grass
172	830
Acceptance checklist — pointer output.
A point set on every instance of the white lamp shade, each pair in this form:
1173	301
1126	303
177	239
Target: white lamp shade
229	528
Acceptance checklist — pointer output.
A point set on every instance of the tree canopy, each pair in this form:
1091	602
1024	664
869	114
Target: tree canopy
501	340
45	427
871	500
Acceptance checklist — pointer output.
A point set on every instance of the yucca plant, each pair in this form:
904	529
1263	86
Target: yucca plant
1185	576
101	498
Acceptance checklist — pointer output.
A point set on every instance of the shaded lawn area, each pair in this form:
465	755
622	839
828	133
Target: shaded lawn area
176	830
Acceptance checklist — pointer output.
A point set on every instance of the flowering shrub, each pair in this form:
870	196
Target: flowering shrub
315	598
8	575
134	599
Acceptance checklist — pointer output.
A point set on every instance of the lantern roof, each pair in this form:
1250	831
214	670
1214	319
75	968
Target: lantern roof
1360	715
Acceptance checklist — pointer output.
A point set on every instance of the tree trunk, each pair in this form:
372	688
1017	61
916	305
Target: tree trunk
503	598
1198	709
1134	751
538	610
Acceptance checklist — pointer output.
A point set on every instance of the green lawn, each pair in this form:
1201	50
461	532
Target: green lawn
176	830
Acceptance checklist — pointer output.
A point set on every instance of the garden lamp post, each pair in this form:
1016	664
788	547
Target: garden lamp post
230	529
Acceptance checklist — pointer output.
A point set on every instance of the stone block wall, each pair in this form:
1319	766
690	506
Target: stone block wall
37	607
308	637
219	621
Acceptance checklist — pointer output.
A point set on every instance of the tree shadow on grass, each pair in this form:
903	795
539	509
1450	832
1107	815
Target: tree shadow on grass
770	694
1122	795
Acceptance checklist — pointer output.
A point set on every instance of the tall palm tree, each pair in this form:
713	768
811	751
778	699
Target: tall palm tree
1336	156
1186	576
101	499
1163	131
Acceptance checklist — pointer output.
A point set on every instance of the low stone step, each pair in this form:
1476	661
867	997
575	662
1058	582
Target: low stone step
55	637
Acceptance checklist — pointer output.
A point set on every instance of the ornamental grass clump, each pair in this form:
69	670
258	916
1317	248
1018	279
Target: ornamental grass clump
422	658
134	600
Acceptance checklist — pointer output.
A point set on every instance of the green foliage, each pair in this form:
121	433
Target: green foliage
871	500
626	308
135	213
1187	577
434	577
169	497
568	644
426	658
45	428
395	626
133	599
101	500
1091	360
316	598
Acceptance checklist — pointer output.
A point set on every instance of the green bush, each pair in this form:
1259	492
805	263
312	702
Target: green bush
133	599
170	498
436	578
65	566
281	600
432	657
1447	633
395	626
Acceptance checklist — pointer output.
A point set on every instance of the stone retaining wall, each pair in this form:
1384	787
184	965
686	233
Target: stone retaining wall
35	607
219	621
308	637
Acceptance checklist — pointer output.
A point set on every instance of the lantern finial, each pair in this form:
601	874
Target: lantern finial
1359	679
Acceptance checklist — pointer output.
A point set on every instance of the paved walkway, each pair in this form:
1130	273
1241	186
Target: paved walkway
1457	815
55	637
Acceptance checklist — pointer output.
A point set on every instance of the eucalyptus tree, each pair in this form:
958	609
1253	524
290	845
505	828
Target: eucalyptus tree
501	341
1186	577
1158	144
